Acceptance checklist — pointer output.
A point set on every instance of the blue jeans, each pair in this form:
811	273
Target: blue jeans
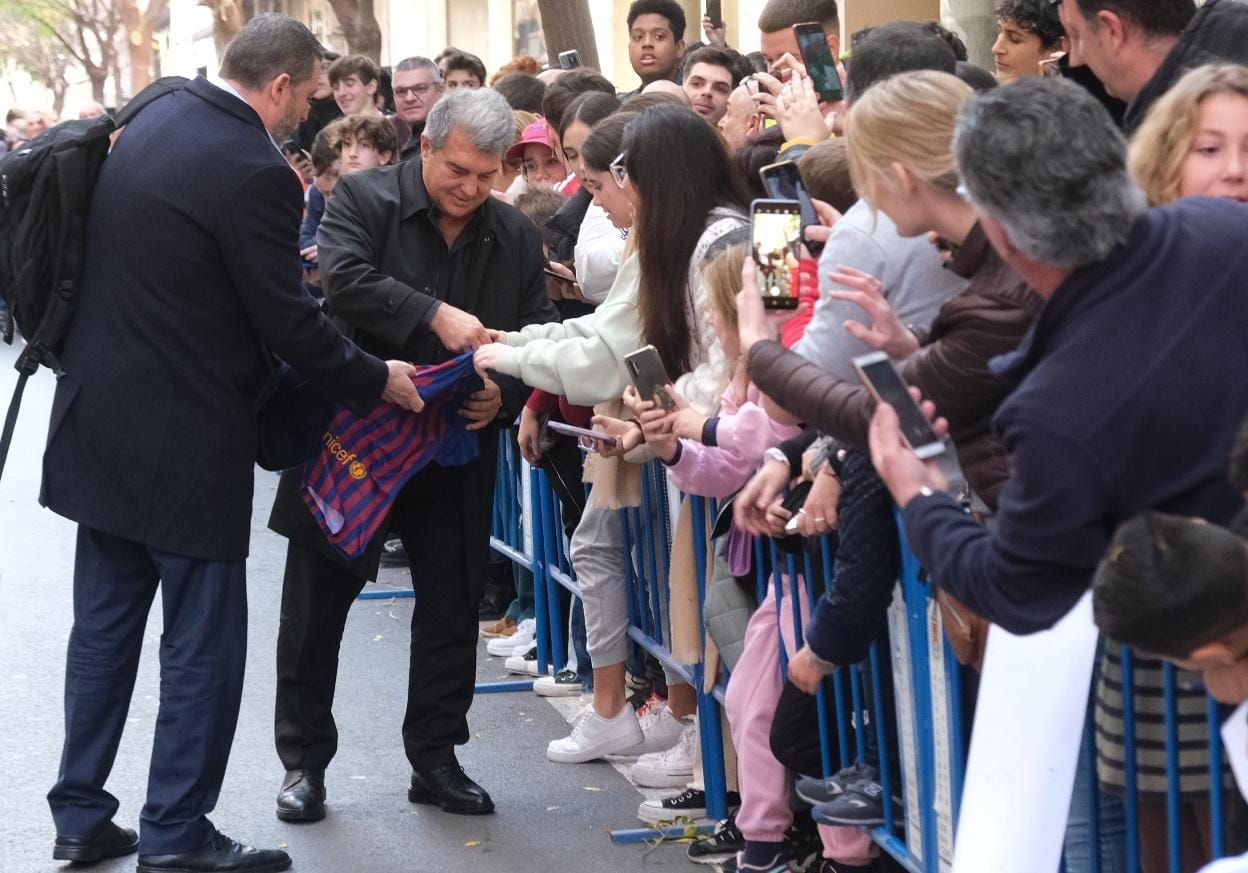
584	666
1111	816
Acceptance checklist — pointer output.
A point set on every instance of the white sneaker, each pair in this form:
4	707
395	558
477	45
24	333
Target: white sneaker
565	683
518	642
594	737
524	664
662	730
672	768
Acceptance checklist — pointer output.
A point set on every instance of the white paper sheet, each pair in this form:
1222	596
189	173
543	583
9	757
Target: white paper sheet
1033	698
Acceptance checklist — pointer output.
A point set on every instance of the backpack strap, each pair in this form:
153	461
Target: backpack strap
154	91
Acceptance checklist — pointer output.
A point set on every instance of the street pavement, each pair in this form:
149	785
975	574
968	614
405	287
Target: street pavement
551	818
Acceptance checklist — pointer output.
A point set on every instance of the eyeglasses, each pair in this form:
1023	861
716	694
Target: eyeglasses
418	90
619	172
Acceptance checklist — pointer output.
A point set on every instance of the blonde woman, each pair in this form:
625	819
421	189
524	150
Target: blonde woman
1194	140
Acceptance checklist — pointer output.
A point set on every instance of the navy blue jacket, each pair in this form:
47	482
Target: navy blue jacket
191	280
1129	391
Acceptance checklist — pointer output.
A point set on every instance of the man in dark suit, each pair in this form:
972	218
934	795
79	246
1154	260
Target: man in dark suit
190	288
414	258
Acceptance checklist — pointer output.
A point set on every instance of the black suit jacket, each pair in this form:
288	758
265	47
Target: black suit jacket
384	293
191	279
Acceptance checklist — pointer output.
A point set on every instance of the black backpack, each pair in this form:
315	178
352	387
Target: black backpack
45	193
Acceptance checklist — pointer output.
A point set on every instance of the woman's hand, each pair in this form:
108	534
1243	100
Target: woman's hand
798	112
485	358
755	322
656	427
688	424
886	332
627	435
818	514
714	35
749	510
529	436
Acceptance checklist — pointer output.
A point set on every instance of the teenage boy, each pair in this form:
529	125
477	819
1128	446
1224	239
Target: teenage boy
354	80
656	39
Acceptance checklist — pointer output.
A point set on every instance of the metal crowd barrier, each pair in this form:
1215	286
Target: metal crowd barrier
929	728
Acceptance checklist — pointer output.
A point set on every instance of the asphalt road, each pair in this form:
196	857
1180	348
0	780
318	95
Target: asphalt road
551	818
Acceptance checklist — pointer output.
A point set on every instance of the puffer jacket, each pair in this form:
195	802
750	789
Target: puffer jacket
988	319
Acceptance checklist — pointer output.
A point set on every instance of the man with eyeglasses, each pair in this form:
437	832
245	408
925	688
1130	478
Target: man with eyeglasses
417	87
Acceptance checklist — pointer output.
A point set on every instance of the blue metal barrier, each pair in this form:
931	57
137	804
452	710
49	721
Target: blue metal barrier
929	730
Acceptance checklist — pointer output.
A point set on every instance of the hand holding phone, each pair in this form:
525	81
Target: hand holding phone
775	237
880	375
820	64
596	436
646	369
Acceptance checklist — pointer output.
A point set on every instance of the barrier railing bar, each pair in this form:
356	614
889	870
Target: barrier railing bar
1094	795
663	653
1174	837
547	528
821	696
957	747
385	594
1130	802
881	740
649	835
855	690
709	726
1213	717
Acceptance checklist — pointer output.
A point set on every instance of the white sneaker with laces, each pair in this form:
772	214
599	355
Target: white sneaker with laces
523	663
518	642
662	729
672	768
594	737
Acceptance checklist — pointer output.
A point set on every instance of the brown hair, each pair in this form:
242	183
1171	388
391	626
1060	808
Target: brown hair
360	66
371	129
518	64
1161	145
825	173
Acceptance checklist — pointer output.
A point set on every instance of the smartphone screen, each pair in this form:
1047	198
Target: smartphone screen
715	12
775	238
820	65
883	380
783	181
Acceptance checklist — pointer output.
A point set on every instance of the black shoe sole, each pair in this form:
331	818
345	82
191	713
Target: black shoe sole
415	795
713	858
275	867
303	816
91	854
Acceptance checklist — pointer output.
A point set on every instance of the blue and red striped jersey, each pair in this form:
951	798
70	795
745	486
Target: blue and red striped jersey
365	462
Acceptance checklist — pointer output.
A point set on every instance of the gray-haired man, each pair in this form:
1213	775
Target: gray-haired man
414	258
1126	396
417	85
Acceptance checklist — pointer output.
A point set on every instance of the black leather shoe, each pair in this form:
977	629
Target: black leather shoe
450	788
302	797
221	855
111	842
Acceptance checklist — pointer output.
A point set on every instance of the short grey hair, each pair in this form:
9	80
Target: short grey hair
481	113
416	62
268	46
1043	157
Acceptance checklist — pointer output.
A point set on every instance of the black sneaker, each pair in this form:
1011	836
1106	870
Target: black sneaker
393	554
689	804
720	846
803	846
861	804
815	791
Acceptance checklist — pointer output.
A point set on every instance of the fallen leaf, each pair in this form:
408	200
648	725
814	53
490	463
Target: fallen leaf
551	808
592	788
472	844
359	777
376	638
283	845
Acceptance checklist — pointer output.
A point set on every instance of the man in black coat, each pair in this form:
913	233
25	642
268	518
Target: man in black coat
191	287
414	259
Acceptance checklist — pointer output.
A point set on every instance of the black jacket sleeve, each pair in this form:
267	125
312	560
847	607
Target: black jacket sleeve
257	236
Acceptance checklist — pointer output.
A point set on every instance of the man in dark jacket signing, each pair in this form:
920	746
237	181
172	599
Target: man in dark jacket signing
414	258
190	287
1124	394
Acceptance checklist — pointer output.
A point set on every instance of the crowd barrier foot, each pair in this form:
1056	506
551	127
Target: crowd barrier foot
649	835
504	686
385	594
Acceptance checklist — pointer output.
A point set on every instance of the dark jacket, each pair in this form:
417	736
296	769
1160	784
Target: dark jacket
565	227
191	278
382	291
1126	396
311	218
320	114
1217	33
988	319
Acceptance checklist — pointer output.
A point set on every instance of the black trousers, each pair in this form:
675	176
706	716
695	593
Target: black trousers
317	594
203	651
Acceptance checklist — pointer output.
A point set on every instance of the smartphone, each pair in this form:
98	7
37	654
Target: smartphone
715	12
645	367
880	376
783	181
820	65
569	60
571	430
775	239
549	272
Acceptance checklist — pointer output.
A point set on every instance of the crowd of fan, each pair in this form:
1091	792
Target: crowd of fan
1053	253
982	229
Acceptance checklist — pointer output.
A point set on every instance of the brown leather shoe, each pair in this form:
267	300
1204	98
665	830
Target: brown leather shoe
504	627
